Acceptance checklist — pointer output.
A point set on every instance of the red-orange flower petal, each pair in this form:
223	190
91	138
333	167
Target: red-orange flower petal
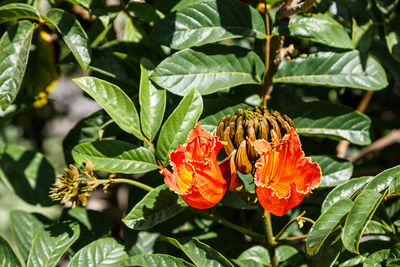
196	174
283	175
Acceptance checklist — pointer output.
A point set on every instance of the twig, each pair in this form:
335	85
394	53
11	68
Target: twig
291	7
387	140
343	145
290	239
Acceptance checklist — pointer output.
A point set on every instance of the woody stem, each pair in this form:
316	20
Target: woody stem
267	82
269	239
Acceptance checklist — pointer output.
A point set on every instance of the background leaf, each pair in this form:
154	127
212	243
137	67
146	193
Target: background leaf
51	243
210	122
24	226
156	260
334	170
361	212
320	28
392	35
14	46
115	156
157	206
209	21
117	104
387	179
152	105
330	120
73	35
102	252
28	174
177	127
347	69
18	11
209	69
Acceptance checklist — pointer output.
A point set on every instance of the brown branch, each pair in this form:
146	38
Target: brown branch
290	239
343	145
387	140
291	7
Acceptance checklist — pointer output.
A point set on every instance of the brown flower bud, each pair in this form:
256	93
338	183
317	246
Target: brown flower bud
243	163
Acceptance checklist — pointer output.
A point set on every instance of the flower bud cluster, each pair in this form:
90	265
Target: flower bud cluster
252	124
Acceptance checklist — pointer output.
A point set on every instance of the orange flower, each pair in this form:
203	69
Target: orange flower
283	175
197	176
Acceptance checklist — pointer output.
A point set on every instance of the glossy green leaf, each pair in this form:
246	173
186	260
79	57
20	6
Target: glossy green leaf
258	256
117	104
146	12
377	259
73	34
345	190
392	35
157	206
115	156
389	178
177	127
18	11
199	253
86	130
156	260
152	105
334	170
210	122
8	257
376	228
209	69
320	28
29	174
330	120
102	252
51	242
347	69
209	21
361	212
14	46
325	225
362	33
23	227
329	251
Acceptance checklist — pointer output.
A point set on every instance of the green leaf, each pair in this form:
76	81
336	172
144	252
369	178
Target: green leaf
326	224
329	251
347	69
51	242
102	252
8	257
209	21
146	12
27	173
157	206
345	190
389	178
330	120
210	122
156	260
177	127
258	256
209	69
73	34
248	182
376	228
144	243
362	33
117	104
334	170
86	130
377	259
14	46
392	35
320	28
18	11
115	156
199	253
152	105
23	227
361	212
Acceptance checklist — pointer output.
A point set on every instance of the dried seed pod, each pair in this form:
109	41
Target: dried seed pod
229	145
232	126
251	152
263	131
243	163
256	124
220	129
283	124
239	135
272	121
289	120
